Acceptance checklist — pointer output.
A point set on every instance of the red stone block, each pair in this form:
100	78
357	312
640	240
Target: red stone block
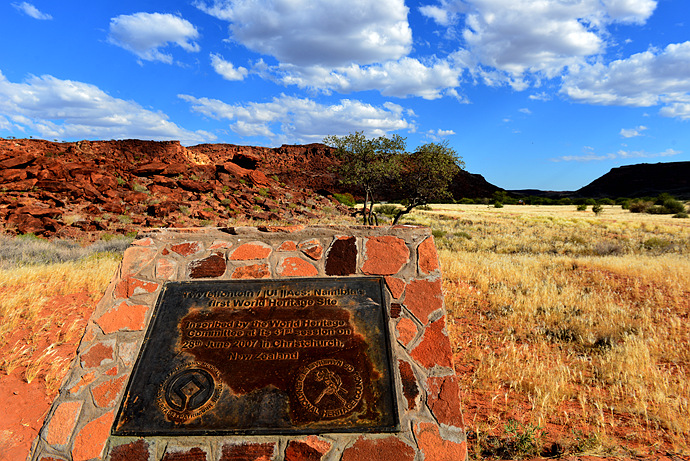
91	439
104	394
129	286
255	271
253	250
288	246
443	399
123	317
434	349
423	297
396	286
211	267
427	258
296	267
388	449
194	454
84	381
342	257
385	255
312	248
165	269
407	331
395	310
134	451
409	384
145	242
97	355
187	248
248	452
288	229
310	449
63	422
437	449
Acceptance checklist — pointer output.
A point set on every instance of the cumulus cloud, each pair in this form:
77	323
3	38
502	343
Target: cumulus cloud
632	132
629	11
651	78
66	109
401	78
319	32
438	135
288	119
525	110
226	69
30	10
146	34
520	42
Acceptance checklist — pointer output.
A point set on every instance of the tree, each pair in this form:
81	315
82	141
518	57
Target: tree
368	164
426	175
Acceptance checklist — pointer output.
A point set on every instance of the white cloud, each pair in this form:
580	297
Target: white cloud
226	68
654	77
525	110
630	11
438	135
30	10
589	156
66	109
542	96
632	132
288	119
318	32
145	34
520	42
401	78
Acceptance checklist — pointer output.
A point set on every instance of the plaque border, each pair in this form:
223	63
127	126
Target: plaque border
387	338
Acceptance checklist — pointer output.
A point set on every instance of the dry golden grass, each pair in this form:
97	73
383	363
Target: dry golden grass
571	322
30	330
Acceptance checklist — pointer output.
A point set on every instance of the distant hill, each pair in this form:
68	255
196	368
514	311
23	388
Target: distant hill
641	180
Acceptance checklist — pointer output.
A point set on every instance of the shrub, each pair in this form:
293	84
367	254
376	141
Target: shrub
597	208
639	206
388	210
346	199
498	204
680	215
582	207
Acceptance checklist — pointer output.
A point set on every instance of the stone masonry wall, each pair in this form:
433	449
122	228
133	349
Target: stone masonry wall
78	425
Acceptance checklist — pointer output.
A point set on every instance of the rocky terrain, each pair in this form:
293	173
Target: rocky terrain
72	189
90	187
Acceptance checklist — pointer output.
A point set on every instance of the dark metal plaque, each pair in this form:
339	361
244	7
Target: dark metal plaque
263	357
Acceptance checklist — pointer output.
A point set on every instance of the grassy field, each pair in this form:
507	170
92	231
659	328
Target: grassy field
571	331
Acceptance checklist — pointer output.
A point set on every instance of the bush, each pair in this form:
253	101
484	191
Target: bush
681	215
388	210
582	207
639	206
597	208
346	199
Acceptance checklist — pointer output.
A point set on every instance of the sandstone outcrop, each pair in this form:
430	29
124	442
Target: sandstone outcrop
68	189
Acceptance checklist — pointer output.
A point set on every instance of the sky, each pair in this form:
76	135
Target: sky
531	94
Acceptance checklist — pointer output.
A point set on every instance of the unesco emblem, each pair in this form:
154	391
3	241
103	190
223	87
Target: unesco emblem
329	388
189	391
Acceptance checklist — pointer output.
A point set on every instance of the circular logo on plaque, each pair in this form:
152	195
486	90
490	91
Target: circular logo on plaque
329	388
189	391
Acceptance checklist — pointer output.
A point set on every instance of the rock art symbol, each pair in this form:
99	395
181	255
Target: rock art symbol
329	388
188	391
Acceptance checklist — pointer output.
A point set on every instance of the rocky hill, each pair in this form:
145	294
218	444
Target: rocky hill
69	189
641	180
88	187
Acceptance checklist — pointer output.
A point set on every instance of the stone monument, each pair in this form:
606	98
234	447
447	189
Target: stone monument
269	343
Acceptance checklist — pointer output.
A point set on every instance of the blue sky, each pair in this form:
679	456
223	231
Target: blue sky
546	94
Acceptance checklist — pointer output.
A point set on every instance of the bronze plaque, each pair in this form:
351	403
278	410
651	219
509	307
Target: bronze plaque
263	357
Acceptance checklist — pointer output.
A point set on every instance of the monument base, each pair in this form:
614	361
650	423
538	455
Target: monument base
269	343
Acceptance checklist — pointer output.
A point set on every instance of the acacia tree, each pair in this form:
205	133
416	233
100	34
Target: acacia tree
368	164
426	175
